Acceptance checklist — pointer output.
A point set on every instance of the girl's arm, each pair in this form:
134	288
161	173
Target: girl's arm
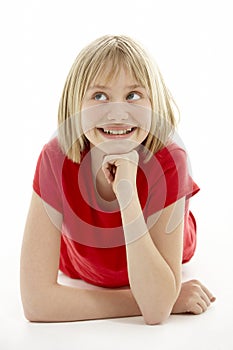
154	260
44	300
154	257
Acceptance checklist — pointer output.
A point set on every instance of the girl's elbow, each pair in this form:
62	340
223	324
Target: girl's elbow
29	312
152	321
37	316
156	317
30	316
36	309
33	314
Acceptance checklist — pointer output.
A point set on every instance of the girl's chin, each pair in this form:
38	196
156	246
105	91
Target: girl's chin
117	146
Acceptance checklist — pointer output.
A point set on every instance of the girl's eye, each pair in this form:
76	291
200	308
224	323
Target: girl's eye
100	97
133	96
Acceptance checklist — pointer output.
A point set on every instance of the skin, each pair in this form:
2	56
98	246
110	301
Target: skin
154	258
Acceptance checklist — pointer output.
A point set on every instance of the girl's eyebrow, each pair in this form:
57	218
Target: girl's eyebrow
103	87
134	86
100	87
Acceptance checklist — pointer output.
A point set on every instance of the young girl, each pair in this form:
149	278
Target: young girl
111	195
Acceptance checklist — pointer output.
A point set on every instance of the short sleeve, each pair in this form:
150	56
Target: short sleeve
170	179
47	177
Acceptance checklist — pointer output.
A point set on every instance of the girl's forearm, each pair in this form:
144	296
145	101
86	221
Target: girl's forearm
60	303
152	281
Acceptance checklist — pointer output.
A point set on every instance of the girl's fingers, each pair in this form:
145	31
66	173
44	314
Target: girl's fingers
132	156
109	171
107	174
205	298
203	305
208	293
196	309
201	298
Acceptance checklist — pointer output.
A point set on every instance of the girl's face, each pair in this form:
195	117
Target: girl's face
116	116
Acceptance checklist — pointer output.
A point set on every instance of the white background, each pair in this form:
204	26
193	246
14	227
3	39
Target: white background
191	42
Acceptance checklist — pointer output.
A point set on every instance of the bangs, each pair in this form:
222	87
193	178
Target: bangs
106	65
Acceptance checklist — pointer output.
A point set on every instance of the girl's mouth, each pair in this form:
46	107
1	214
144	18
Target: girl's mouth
117	132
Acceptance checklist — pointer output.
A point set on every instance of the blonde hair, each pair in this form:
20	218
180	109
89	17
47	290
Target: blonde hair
88	66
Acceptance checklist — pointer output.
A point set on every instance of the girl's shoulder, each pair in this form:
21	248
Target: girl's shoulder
54	151
170	149
53	147
167	156
172	155
53	154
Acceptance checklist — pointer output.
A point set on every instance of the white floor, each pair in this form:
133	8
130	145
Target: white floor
211	330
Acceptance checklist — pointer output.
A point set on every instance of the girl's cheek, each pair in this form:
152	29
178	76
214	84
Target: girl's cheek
91	117
143	116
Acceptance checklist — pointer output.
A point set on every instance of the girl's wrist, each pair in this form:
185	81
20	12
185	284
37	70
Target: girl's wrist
133	221
126	193
134	229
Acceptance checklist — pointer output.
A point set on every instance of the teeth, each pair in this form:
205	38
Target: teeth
117	132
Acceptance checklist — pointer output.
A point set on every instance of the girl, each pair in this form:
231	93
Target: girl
111	198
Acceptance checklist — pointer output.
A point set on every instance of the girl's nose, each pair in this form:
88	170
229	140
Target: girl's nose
117	112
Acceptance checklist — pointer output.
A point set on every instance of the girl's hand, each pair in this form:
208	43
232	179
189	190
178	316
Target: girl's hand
121	171
194	298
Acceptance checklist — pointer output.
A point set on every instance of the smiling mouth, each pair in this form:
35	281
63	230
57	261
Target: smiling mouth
117	132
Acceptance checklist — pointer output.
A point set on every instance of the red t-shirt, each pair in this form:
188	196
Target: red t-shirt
92	239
